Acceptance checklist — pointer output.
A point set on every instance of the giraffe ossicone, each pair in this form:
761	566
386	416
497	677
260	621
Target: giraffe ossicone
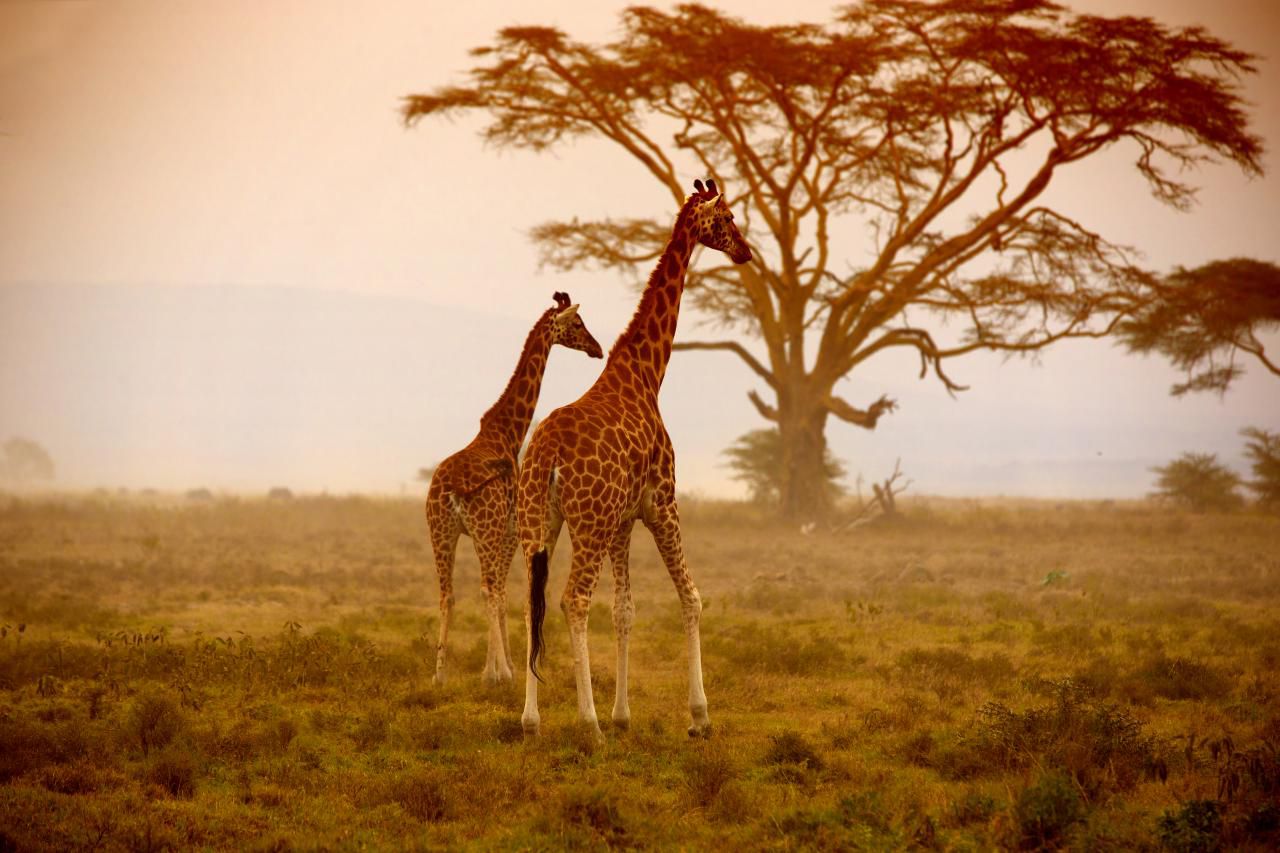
472	492
605	461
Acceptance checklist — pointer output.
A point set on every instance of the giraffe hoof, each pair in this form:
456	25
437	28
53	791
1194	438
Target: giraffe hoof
703	731
622	724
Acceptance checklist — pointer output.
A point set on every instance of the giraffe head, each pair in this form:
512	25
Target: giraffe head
567	328
713	223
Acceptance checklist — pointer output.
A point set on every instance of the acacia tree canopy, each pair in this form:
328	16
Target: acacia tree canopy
1202	319
898	116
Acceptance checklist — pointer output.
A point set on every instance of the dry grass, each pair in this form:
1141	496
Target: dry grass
983	674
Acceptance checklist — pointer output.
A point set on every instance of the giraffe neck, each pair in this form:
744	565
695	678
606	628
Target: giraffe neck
644	347
508	419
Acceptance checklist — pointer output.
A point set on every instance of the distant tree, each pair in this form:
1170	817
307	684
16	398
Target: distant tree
25	462
425	474
1263	451
891	165
757	460
1198	482
1202	319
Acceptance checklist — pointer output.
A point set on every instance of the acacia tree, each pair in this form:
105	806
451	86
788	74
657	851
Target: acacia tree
25	461
1262	449
1202	319
891	165
1199	482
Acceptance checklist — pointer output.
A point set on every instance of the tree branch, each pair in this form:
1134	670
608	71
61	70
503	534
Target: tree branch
858	417
733	347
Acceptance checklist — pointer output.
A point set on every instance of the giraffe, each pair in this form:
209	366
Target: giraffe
606	460
473	491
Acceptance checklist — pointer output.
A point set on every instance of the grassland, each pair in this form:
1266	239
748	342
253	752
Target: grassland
257	675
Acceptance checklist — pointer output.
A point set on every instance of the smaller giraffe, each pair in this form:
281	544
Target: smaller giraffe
473	491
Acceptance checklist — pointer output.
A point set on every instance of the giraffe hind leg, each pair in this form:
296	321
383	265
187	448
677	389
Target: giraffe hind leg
624	611
445	529
491	533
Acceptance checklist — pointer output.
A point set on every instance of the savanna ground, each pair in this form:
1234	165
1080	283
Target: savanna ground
253	674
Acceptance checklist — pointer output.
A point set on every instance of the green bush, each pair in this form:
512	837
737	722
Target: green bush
422	794
1101	746
596	809
1195	828
1182	678
175	770
1046	809
791	747
707	769
154	721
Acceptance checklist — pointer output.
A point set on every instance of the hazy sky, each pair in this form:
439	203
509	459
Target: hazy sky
224	262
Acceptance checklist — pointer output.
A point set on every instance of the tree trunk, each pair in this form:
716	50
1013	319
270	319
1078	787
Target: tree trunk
805	493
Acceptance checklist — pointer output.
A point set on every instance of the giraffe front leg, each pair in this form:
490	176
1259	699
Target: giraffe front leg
624	611
664	522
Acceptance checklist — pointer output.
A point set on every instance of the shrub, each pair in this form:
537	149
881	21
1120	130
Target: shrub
1196	827
76	777
175	771
947	671
1182	678
154	721
1198	482
1100	746
973	807
790	747
422	795
772	648
857	822
1045	810
707	770
596	809
280	734
372	730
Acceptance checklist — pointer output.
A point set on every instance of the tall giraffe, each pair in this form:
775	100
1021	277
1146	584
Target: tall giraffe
605	461
473	491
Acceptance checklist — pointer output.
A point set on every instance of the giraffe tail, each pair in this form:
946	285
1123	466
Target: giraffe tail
538	571
531	519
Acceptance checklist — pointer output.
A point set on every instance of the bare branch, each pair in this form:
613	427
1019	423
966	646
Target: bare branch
733	347
867	418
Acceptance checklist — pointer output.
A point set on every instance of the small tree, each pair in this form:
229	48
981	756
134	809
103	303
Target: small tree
1263	451
757	460
1198	482
1202	320
25	461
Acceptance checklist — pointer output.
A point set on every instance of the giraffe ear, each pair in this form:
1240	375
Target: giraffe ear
567	314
